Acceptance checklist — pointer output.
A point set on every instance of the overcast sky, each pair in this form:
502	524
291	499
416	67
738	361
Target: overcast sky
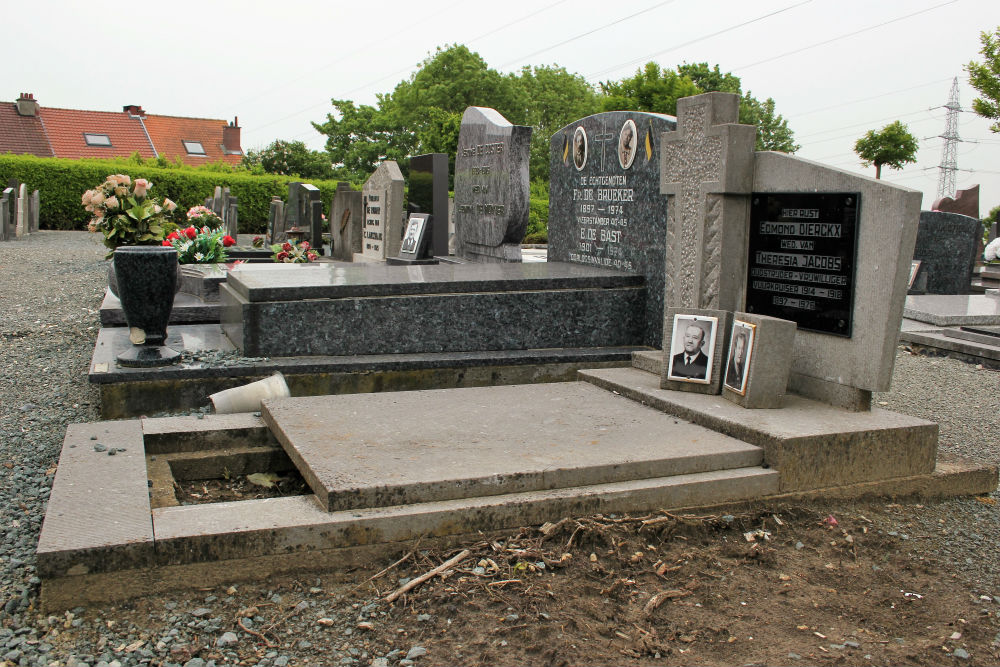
835	68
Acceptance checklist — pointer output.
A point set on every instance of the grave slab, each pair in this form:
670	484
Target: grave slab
98	514
939	343
946	310
384	449
812	444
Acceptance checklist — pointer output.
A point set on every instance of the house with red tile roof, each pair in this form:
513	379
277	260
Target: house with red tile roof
27	127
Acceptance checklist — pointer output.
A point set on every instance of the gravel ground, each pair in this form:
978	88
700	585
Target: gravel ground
52	284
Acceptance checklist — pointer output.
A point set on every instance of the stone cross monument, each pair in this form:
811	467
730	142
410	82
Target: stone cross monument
707	170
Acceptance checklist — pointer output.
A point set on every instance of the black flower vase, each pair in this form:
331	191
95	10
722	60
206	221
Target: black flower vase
147	282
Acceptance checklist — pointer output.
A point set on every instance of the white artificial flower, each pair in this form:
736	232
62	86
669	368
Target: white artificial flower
992	251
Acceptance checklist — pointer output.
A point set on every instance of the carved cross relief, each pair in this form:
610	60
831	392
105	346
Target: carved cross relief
707	170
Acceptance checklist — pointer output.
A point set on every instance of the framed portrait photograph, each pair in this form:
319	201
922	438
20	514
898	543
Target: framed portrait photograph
580	148
414	236
627	140
914	270
692	348
738	361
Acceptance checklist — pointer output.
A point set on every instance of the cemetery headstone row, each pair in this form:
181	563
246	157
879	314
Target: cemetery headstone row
20	211
226	207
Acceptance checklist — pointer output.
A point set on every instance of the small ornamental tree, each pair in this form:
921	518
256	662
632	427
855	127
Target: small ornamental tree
985	77
892	146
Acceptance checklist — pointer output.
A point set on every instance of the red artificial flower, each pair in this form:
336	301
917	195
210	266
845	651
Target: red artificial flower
168	243
312	256
304	245
282	256
227	241
173	236
286	246
191	233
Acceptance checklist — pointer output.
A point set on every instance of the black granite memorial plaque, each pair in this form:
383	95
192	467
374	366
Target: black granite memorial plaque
802	257
605	206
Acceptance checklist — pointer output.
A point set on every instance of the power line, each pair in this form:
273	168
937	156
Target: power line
850	34
589	32
873	97
696	40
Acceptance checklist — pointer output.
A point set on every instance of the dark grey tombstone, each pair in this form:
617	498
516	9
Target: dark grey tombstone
35	205
231	220
428	193
946	247
346	219
276	221
491	187
3	215
312	215
7	218
605	206
293	207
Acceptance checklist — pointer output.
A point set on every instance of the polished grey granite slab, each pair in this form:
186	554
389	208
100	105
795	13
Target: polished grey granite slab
259	283
953	309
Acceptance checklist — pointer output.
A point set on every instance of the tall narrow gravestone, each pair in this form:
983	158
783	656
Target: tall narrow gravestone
605	206
345	222
35	211
20	228
428	193
276	221
382	207
706	169
491	187
4	216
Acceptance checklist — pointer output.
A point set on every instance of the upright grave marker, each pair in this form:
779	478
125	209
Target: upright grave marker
20	228
382	206
4	215
706	169
345	222
35	205
428	193
605	206
276	221
491	187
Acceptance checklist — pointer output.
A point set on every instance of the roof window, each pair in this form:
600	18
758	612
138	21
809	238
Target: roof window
94	139
193	147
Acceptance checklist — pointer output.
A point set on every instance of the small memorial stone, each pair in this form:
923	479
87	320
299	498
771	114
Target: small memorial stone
428	193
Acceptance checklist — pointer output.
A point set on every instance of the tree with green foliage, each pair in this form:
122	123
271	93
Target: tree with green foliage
363	136
651	89
657	90
892	146
985	77
553	98
992	218
290	157
422	114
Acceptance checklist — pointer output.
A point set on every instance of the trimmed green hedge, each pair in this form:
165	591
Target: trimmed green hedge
61	183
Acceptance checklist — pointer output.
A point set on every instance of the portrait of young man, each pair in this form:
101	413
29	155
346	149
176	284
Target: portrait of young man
692	348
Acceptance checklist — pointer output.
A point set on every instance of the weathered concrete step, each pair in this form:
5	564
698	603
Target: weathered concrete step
376	450
813	445
297	525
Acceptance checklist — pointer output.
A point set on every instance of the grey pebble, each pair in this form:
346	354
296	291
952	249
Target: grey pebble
961	654
100	448
227	639
416	652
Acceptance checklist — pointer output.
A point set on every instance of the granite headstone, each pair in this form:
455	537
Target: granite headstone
428	193
491	187
946	247
35	211
605	206
382	207
20	228
4	225
276	221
